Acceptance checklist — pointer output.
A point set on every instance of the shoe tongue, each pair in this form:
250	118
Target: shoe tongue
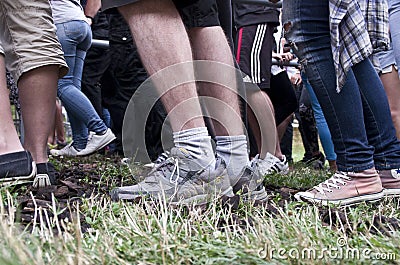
186	161
180	152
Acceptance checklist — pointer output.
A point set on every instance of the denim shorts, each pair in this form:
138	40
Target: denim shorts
29	36
386	60
194	13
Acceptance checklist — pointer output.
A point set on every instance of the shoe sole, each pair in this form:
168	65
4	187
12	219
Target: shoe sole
391	192
206	198
20	179
226	197
64	155
256	197
345	202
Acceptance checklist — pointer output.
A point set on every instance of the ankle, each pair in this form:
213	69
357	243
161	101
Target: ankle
332	165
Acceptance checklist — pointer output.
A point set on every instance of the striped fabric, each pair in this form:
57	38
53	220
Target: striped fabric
255	53
376	16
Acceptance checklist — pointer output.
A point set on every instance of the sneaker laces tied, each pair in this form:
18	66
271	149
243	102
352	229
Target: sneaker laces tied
176	168
327	185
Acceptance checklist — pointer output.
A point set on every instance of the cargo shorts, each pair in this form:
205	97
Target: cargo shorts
28	37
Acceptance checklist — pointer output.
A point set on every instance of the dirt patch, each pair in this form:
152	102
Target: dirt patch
84	177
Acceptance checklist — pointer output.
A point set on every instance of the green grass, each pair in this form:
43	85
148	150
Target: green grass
285	232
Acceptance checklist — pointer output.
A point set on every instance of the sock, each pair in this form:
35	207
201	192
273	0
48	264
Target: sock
198	143
47	168
233	150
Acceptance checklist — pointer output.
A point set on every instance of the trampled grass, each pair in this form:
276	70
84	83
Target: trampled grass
283	232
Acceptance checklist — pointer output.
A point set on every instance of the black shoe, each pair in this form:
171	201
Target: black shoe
317	161
46	175
16	168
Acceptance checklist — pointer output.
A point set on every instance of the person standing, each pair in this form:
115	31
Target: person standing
333	44
33	55
75	37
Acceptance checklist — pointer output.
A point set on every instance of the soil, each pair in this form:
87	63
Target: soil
81	178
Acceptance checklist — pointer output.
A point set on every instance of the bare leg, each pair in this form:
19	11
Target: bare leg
391	83
218	50
59	123
37	91
9	141
51	139
281	129
261	119
172	47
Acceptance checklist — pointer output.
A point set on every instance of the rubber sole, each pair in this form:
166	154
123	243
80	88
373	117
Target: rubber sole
344	202
19	179
391	192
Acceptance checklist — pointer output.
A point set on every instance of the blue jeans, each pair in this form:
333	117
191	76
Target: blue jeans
75	38
394	21
358	117
322	126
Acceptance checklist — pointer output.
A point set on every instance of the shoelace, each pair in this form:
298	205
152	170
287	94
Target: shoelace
176	168
337	178
168	162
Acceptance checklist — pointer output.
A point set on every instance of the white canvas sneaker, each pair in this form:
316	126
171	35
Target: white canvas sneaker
345	188
96	142
68	150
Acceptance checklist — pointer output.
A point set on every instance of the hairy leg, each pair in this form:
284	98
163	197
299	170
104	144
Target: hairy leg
172	47
209	43
37	91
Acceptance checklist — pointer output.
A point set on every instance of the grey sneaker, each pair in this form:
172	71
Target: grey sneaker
345	188
96	142
68	150
390	181
271	164
249	185
161	158
179	180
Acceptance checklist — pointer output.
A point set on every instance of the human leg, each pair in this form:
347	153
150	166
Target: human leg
34	57
343	111
75	39
378	123
254	56
394	20
15	162
59	124
391	83
9	142
158	55
181	104
323	130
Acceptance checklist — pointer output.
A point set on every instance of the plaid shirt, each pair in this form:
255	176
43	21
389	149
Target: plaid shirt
349	38
377	22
